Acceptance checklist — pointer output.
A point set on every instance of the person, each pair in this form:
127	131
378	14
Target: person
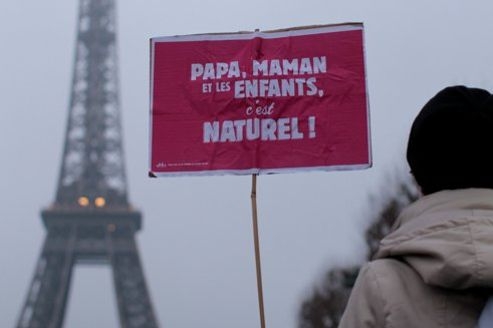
435	267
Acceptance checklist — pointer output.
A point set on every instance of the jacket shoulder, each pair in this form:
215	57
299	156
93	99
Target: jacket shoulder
367	305
389	293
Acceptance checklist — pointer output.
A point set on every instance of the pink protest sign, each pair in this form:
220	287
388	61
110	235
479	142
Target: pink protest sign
260	102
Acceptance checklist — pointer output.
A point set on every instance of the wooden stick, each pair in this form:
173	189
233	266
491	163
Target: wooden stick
257	251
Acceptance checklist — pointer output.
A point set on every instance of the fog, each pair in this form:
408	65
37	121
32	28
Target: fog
196	244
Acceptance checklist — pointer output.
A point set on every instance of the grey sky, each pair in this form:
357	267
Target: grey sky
196	244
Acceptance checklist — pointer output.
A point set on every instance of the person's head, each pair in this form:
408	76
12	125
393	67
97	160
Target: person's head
451	141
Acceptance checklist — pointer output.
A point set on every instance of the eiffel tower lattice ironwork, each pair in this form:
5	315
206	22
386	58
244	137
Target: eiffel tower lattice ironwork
91	219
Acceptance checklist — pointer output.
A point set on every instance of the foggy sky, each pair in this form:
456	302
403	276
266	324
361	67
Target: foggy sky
196	244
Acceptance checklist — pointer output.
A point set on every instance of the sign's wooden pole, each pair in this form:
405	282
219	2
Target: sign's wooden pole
257	251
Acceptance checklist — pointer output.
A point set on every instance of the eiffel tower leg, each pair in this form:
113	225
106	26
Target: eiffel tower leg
133	299
47	295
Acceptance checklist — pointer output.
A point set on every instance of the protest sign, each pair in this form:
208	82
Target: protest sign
259	102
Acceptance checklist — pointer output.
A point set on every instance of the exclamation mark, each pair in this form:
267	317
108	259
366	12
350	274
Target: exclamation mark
311	126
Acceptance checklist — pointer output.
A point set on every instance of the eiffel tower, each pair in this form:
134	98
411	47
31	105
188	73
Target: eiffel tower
91	220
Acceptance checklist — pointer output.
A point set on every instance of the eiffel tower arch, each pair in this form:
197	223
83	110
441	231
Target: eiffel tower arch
91	219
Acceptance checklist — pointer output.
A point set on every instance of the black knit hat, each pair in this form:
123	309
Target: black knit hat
451	141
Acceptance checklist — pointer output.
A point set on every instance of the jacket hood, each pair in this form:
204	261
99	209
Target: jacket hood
447	237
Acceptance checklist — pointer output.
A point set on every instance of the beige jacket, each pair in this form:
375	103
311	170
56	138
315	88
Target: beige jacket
435	268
